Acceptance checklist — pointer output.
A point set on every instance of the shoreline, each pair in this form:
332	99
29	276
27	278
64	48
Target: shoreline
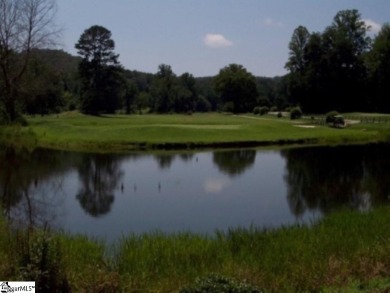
182	146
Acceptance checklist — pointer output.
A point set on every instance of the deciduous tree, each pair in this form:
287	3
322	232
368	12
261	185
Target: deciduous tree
236	86
327	71
163	89
379	66
345	42
24	25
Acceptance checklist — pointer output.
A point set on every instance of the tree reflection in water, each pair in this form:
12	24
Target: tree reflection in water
326	178
164	161
235	162
30	184
34	185
100	175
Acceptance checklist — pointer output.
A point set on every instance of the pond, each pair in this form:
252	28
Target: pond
110	195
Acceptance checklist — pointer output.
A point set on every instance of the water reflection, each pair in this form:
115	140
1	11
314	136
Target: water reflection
186	157
235	162
164	161
100	175
116	194
27	194
327	178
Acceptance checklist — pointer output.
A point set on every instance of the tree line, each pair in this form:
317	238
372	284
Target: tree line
339	69
107	87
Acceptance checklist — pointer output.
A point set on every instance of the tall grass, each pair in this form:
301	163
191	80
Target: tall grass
347	251
17	137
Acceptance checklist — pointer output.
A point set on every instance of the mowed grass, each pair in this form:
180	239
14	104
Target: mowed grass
75	131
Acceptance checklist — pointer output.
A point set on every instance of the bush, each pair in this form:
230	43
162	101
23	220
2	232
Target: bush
330	116
260	110
228	107
219	284
334	119
274	109
40	259
5	120
264	110
280	115
295	113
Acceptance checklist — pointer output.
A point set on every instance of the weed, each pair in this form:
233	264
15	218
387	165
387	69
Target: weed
219	284
40	260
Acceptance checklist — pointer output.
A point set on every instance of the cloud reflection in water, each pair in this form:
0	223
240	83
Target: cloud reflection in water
215	185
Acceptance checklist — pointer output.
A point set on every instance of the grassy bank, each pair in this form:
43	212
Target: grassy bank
346	252
75	131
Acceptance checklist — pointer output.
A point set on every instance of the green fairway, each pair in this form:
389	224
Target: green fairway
75	131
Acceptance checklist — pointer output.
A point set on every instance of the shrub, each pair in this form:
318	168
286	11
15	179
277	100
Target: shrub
5	119
228	107
260	110
219	284
334	119
330	116
280	115
274	109
295	113
264	110
40	259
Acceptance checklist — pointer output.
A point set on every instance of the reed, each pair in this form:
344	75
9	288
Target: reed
347	251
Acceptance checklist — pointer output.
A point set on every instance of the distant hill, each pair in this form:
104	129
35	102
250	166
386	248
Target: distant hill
58	60
271	90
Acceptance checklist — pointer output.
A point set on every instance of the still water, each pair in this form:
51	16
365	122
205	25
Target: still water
107	196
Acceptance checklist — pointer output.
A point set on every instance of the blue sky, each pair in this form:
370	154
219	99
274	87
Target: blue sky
203	36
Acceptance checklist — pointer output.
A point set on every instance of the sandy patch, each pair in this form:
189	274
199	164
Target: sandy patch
352	122
195	126
305	126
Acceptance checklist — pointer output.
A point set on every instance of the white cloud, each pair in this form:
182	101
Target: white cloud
215	186
216	41
272	23
374	26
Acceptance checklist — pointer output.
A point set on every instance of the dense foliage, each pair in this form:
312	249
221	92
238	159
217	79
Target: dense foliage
339	69
24	26
236	88
98	71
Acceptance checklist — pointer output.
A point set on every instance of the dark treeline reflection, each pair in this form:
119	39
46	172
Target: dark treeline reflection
35	184
324	178
30	183
235	162
165	160
100	175
232	163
